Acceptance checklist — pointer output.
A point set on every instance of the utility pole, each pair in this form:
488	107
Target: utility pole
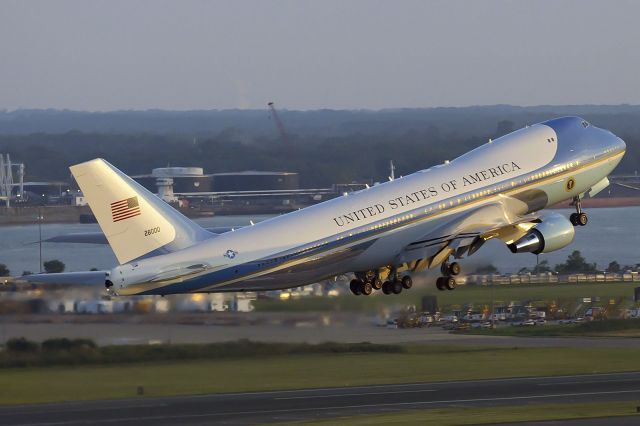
40	218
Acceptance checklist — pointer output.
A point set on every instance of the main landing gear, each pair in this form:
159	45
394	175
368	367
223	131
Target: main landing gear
370	281
447	281
397	284
579	218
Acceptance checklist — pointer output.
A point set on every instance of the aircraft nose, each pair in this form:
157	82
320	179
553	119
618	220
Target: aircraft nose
614	143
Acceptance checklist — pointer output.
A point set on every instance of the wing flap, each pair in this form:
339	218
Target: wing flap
467	232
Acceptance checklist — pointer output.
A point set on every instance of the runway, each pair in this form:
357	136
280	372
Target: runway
312	404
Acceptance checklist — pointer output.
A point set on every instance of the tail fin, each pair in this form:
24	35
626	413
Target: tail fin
135	221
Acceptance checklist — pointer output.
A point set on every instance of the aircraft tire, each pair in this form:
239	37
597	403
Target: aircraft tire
440	284
450	283
573	218
386	287
376	283
582	219
454	268
407	282
366	288
396	287
354	286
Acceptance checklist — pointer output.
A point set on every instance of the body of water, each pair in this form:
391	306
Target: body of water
612	234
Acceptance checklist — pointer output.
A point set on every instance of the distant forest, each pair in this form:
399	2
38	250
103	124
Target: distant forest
325	146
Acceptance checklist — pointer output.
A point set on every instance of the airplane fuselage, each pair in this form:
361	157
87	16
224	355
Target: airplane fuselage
527	170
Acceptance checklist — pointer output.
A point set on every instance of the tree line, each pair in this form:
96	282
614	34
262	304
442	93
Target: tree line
320	160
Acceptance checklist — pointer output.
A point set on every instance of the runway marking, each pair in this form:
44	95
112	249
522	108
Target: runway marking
5	411
579	382
337	395
290	410
441	383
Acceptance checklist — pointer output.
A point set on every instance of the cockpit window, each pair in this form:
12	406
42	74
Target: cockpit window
585	124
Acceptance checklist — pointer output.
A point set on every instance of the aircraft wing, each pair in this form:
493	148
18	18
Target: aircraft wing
99	238
466	233
90	278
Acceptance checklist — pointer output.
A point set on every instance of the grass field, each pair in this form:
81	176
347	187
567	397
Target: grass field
560	293
416	364
465	416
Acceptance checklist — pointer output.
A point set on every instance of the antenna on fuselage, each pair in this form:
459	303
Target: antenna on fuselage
392	169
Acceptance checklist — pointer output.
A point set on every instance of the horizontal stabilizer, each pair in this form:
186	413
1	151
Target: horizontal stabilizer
91	278
99	237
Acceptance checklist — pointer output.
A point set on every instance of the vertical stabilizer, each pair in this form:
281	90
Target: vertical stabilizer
135	221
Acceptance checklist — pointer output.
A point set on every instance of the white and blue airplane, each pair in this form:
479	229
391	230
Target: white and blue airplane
382	234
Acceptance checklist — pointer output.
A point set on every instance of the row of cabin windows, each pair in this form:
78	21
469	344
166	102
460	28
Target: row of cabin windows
441	206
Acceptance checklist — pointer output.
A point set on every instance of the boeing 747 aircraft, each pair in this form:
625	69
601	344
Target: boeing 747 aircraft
383	234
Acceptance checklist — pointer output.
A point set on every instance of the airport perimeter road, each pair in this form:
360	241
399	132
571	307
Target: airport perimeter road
310	404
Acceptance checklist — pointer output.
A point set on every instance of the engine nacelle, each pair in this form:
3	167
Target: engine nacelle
553	233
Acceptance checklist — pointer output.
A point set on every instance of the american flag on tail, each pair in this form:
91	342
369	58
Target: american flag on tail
125	209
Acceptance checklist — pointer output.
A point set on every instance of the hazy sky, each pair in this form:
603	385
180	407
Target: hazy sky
105	55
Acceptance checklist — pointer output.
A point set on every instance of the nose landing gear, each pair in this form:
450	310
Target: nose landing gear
579	218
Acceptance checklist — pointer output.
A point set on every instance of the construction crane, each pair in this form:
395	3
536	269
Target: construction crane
279	125
6	179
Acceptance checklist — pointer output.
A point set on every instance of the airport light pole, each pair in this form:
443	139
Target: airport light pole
40	218
493	324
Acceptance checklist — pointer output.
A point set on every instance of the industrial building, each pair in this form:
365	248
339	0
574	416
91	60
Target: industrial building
186	180
246	192
182	179
255	181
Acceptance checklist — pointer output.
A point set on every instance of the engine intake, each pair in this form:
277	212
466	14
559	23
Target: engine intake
553	233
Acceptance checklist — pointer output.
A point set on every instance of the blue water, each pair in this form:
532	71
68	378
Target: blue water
612	234
19	248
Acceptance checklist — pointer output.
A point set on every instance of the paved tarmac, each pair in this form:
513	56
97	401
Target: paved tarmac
311	404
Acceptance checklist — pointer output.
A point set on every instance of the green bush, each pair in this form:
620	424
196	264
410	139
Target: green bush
64	344
63	351
53	266
609	325
20	344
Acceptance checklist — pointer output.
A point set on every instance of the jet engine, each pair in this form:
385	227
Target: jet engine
552	233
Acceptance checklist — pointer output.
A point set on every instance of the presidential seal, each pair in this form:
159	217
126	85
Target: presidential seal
571	183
